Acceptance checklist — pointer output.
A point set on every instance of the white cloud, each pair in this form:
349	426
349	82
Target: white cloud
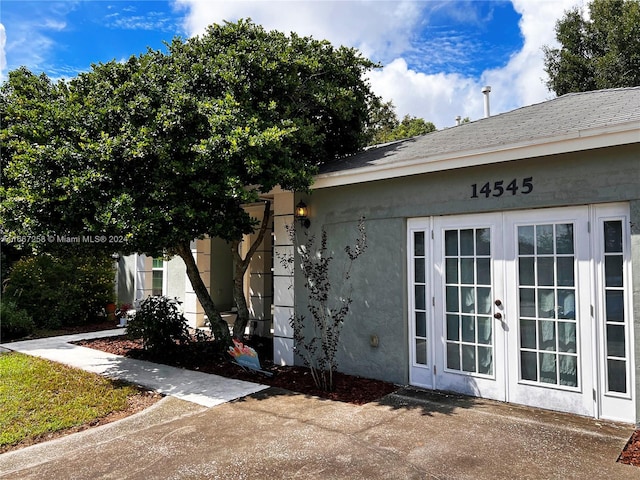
385	30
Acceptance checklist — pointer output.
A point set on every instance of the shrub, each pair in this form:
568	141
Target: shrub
14	323
160	325
61	291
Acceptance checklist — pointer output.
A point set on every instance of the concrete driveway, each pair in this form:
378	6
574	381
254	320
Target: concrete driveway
277	434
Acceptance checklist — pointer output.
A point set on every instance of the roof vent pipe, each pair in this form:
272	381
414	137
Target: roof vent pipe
486	90
458	120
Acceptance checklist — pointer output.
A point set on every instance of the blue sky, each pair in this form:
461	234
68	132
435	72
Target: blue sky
437	54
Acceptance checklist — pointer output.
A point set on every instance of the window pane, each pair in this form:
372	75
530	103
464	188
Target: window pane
613	270
451	242
544	239
466	242
525	269
453	327
483	241
545	271
419	270
615	341
528	333
617	376
452	270
484	271
615	306
613	236
157	263
453	356
564	238
420	297
468	358
568	370
525	240
528	366
421	351
468	329
421	324
418	244
156	283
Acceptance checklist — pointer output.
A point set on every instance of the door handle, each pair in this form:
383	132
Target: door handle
498	302
497	315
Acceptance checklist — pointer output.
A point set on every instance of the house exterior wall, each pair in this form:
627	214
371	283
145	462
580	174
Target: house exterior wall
379	277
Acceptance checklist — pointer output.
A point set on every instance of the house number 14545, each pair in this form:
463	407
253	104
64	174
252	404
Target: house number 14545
498	188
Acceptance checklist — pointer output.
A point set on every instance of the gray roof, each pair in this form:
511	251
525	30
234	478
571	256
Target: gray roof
565	116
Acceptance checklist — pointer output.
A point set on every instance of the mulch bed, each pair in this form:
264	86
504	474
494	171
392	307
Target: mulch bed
206	357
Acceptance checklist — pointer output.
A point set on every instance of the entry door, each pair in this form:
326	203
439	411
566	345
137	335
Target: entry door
548	316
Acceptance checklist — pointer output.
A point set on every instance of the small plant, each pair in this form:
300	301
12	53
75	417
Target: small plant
317	344
160	325
14	323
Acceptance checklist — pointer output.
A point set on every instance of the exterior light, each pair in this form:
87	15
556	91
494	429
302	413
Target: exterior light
302	213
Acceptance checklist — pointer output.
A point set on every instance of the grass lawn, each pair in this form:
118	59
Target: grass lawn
38	397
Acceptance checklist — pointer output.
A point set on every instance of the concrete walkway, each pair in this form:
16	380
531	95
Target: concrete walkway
276	434
200	388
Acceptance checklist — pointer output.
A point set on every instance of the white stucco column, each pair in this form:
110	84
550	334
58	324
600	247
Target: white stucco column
283	301
193	311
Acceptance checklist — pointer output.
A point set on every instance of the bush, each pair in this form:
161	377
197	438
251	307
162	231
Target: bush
14	323
61	291
160	325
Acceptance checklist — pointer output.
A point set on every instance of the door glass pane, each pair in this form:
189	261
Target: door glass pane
418	244
613	236
564	239
421	351
545	271
614	288
466	242
419	269
544	239
615	305
526	272
613	270
421	324
468	292
547	296
420	297
525	240
483	241
484	271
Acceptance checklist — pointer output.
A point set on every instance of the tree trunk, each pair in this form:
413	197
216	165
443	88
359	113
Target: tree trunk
240	268
219	327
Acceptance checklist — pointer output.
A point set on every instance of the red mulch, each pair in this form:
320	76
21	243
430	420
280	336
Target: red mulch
205	357
631	453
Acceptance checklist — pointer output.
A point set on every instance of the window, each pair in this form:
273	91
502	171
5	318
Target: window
157	277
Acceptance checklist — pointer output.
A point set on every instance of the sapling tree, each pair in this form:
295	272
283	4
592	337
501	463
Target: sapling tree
317	338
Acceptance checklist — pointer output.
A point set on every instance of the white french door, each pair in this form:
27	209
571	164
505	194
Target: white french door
529	307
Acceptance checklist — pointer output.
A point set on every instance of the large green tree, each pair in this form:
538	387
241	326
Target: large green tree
598	51
168	146
384	125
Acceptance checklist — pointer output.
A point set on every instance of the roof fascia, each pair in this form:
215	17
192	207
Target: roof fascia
619	134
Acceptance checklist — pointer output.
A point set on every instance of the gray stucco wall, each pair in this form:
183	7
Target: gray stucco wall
379	277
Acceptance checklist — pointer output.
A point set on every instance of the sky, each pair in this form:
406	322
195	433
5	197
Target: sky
436	55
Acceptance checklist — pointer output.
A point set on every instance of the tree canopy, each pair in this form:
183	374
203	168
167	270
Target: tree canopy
168	146
384	125
601	51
